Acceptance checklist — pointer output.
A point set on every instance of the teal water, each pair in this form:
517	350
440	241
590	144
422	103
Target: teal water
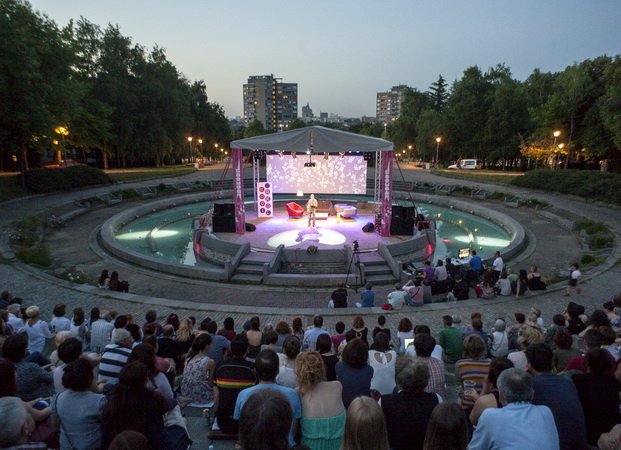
172	241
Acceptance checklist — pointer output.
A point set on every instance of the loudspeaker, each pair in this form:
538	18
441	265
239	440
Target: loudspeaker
409	212
223	209
250	227
403	227
398	212
368	227
223	224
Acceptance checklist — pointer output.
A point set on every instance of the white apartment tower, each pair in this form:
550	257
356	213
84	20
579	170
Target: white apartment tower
271	101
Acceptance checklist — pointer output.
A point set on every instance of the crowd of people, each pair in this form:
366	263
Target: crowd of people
104	380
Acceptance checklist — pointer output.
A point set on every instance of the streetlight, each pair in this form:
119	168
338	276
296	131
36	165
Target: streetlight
62	131
190	142
200	141
555	134
216	151
409	153
560	150
438	139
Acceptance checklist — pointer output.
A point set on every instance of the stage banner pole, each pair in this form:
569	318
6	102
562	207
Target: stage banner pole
238	190
386	193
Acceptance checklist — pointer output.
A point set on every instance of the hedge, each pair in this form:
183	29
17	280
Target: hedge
51	180
591	184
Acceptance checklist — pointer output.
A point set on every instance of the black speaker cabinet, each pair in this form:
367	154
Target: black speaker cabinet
410	212
398	212
403	227
224	224
368	228
223	209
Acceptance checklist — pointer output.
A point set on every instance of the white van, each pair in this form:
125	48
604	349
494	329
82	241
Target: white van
466	164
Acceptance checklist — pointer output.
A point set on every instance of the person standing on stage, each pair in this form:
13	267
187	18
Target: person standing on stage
311	207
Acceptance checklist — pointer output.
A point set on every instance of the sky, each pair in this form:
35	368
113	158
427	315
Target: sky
342	52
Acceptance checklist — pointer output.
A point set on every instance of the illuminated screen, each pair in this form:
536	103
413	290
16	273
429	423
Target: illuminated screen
331	176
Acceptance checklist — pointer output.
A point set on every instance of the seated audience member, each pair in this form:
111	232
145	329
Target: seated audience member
330	358
405	330
78	411
608	341
408	412
598	318
521	286
338	336
116	284
169	347
323	413
218	343
349	336
458	324
361	332
266	367
32	380
133	406
427	294
450	340
270	339
396	298
437	350
451	268
101	332
59	322
38	331
535	283
381	327
59	338
185	334
424	345
283	330
367	297
130	440
296	327
564	351
354	372
310	336
166	366
558	324
460	290
78	326
255	338
559	394
490	397
598	391
575	324
447	428
145	354
531	334
68	351
503	285
519	424
173	319
499	345
592	340
474	367
477	329
286	374
198	375
15	318
231	376
365	426
339	296
115	355
17	425
151	317
382	359
228	330
265	421
610	310
415	292
515	330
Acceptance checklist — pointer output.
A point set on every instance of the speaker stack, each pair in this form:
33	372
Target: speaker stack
403	218
223	218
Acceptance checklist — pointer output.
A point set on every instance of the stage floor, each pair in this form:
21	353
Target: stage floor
295	233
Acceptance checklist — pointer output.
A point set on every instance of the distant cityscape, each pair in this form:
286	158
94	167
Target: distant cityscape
275	104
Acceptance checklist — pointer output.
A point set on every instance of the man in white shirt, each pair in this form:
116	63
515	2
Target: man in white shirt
396	298
498	266
440	273
101	332
15	318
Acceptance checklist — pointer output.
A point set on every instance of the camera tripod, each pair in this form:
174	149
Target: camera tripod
355	260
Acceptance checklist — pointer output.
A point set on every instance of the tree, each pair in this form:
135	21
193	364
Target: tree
254	128
295	124
438	94
404	131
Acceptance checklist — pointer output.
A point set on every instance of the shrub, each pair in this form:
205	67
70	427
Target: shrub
39	255
127	193
587	259
30	222
591	184
78	276
51	180
591	226
599	242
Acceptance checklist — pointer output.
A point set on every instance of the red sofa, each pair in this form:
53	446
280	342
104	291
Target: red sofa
294	210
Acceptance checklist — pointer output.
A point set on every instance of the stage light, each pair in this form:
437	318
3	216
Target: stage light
326	156
293	155
281	154
308	152
341	155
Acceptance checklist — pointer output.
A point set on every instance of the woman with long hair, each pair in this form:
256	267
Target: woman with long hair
330	358
197	381
185	334
323	413
157	381
490	397
133	406
255	337
173	319
104	280
296	327
361	331
382	359
447	428
287	372
38	330
284	331
354	372
365	426
229	329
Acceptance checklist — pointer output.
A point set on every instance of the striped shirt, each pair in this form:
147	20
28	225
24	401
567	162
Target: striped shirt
473	370
112	361
231	377
101	333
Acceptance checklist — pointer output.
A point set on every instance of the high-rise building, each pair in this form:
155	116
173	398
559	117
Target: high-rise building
388	106
271	101
307	113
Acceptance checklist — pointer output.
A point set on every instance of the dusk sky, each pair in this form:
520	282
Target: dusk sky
341	53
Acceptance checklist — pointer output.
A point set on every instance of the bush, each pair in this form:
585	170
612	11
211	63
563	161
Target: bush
127	194
587	259
51	180
600	242
30	222
39	255
591	184
591	226
79	277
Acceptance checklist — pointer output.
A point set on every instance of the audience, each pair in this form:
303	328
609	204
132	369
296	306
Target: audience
447	428
265	421
361	332
101	331
499	345
255	337
382	359
354	372
218	343
365	426
17	425
287	372
310	337
531	334
381	327
283	330
408	411
474	367
198	375
450	339
115	355
564	351
323	412
329	357
38	331
405	330
32	380
338	336
424	345
490	397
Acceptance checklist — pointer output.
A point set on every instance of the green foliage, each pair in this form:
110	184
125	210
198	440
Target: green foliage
590	184
587	259
74	276
30	222
127	194
254	128
39	255
599	242
497	195
295	124
592	226
52	180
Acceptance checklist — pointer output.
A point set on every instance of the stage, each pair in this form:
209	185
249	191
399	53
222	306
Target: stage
330	233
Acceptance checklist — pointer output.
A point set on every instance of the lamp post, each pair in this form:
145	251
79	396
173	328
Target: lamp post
190	143
438	139
62	131
409	153
216	151
555	134
200	142
560	149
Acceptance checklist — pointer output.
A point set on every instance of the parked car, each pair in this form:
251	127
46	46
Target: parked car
64	164
466	164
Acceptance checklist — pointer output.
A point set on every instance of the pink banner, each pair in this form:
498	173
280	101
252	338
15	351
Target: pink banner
386	193
238	190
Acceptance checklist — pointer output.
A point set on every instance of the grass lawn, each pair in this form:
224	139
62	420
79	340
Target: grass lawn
10	188
141	173
499	177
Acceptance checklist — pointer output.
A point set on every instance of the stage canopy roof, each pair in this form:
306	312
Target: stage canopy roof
317	139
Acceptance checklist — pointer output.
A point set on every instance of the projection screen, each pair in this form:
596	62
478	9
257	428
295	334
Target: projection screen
331	176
